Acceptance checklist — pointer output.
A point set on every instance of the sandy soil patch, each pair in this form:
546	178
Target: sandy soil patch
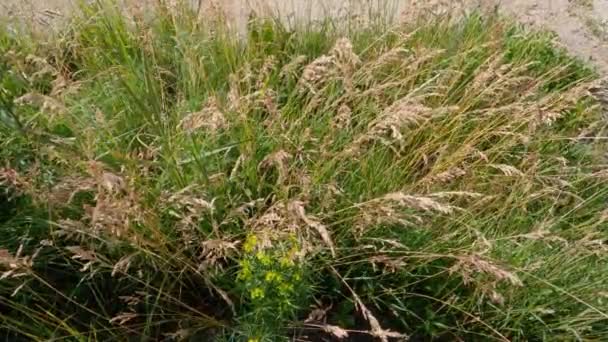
582	25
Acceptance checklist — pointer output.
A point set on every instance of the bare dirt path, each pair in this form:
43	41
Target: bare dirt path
581	25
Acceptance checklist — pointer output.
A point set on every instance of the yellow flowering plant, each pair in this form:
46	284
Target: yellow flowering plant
271	282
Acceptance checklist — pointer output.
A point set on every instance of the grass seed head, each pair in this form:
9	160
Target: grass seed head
343	118
280	161
293	66
297	208
446	176
316	73
335	331
210	119
344	56
467	266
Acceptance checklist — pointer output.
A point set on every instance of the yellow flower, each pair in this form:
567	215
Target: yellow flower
286	262
263	258
272	276
257	293
285	288
245	273
250	243
253	339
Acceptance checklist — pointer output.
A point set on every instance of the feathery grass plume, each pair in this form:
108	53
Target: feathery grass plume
391	265
422	203
111	182
377	215
17	265
46	103
507	170
548	117
457	194
214	253
41	66
599	91
12	180
297	207
113	217
123	318
542	234
64	191
376	329
189	207
248	93
601	174
316	73
71	229
88	257
343	117
210	119
61	85
117	206
346	60
335	331
323	68
284	220
234	94
389	125
498	84
318	314
341	58
344	54
397	54
467	266
271	225
489	74
122	266
388	209
422	57
270	103
293	66
279	160
593	244
268	67
446	176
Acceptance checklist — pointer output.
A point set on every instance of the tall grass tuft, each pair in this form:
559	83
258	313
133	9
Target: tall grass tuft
163	178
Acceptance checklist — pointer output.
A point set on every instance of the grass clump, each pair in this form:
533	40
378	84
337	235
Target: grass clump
163	179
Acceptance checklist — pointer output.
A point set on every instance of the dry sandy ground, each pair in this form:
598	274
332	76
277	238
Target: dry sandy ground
582	25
